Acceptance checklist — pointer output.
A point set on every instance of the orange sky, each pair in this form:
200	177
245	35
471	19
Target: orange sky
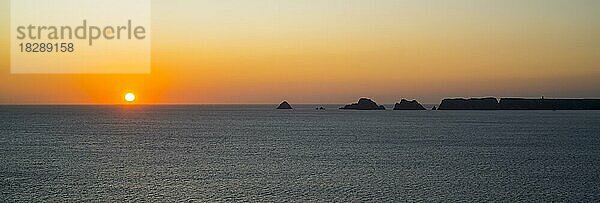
335	51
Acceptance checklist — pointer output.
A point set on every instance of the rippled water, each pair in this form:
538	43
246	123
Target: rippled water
254	153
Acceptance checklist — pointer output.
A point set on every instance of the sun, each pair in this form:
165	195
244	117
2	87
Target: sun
129	97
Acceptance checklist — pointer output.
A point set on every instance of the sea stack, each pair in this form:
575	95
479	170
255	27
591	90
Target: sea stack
284	105
408	105
364	104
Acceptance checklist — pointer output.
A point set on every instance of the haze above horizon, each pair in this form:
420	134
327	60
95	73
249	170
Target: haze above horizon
335	51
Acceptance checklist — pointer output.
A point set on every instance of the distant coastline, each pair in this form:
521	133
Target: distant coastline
486	103
492	103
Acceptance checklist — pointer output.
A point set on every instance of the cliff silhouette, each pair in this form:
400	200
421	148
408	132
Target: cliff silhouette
549	104
488	103
364	104
491	103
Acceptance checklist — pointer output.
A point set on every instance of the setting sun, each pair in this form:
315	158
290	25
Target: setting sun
130	97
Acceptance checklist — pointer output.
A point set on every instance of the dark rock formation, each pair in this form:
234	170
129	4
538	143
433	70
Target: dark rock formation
408	105
284	105
520	104
364	104
434	108
549	104
489	103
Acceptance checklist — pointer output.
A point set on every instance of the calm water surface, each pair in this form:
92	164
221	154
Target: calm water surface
254	153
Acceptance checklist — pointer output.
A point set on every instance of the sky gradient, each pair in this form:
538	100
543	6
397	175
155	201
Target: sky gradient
334	51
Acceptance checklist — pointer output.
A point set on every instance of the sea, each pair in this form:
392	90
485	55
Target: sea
254	153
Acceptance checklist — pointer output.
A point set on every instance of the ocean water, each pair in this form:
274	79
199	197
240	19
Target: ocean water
255	153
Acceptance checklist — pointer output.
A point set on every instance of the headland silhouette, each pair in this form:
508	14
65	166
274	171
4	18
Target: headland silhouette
491	103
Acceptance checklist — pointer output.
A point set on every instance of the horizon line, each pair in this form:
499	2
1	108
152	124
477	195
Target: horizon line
133	104
261	103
